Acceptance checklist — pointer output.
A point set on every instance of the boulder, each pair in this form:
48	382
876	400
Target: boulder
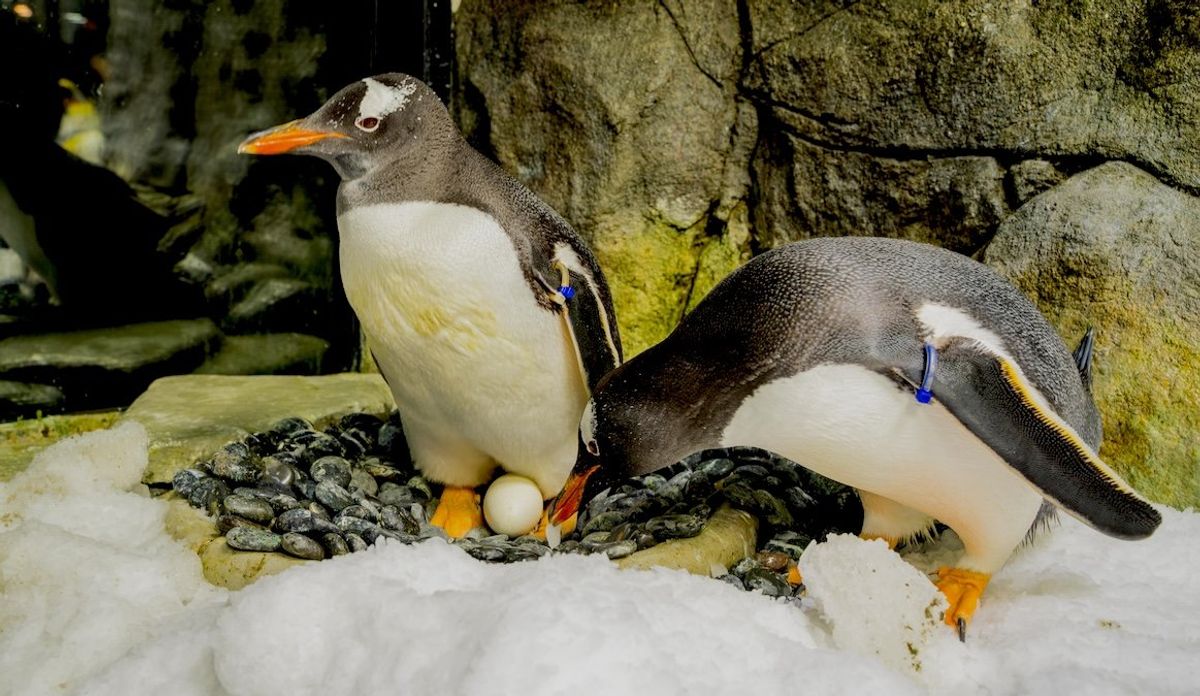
640	142
1115	248
107	367
278	304
19	399
679	137
915	78
267	354
188	417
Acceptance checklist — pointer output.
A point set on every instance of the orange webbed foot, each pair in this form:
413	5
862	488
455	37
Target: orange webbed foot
458	511
962	588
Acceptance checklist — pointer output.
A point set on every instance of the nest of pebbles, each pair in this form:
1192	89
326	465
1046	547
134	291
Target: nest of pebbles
315	494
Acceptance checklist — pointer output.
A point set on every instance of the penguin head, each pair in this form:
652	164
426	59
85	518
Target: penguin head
630	427
367	124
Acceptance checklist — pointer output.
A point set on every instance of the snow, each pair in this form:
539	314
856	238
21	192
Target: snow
97	600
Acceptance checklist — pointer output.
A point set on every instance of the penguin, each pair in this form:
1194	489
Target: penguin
487	315
911	373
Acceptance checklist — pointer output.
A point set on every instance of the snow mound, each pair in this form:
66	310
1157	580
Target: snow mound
875	602
97	600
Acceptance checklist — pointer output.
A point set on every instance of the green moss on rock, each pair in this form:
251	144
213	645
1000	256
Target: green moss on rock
1116	249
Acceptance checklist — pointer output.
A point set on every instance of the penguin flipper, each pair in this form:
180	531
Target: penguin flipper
991	397
591	329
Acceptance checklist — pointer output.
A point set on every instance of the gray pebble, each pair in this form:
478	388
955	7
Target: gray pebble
334	544
301	546
186	479
770	584
252	539
253	509
362	481
235	463
331	468
675	526
394	494
619	549
333	495
227	522
355	542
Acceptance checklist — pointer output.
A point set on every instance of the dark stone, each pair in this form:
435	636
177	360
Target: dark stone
252	539
301	546
24	399
100	368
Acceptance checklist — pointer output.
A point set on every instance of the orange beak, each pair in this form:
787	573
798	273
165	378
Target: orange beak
568	501
283	139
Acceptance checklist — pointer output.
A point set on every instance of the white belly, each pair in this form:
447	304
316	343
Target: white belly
856	427
477	369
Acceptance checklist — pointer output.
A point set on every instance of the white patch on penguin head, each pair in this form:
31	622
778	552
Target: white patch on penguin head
587	428
381	100
943	323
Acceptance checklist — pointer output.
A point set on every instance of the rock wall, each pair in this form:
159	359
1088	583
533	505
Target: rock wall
680	137
189	80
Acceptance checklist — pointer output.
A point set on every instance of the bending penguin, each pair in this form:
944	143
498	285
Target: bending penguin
822	351
486	313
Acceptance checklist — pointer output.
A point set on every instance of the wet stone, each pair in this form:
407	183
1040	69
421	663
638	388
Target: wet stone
334	544
186	479
235	462
716	468
675	526
769	583
227	522
360	512
276	470
333	495
420	488
399	520
391	438
394	494
252	539
618	549
355	542
361	481
253	509
355	525
301	546
206	491
331	468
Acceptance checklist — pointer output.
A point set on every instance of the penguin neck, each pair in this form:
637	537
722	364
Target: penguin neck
411	173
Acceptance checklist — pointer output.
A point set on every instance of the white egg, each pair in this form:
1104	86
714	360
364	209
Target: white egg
512	505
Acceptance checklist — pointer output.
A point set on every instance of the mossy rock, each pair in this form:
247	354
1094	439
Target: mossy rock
21	440
188	417
1116	249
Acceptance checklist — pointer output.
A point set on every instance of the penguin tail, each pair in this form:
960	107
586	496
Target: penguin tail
990	395
1083	357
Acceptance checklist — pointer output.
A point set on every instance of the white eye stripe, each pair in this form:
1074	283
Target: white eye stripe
381	99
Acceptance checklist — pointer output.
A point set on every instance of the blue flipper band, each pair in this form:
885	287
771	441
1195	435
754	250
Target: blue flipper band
566	291
925	391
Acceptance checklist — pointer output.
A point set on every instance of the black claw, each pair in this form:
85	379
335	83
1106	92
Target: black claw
962	630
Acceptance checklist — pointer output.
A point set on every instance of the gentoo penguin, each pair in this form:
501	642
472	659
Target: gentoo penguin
486	313
822	351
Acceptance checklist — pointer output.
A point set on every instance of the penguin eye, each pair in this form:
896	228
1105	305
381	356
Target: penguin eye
367	123
593	448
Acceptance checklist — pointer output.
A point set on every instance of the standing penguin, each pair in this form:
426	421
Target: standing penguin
486	313
912	373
